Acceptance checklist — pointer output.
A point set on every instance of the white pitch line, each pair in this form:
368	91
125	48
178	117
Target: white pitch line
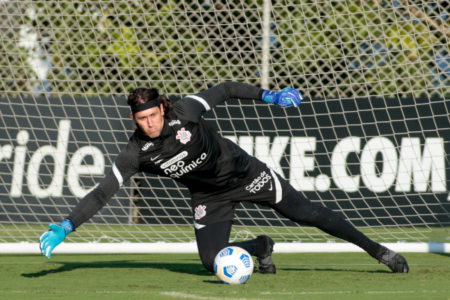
196	296
348	292
193	296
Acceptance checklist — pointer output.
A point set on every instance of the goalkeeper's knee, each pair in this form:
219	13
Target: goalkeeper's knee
207	258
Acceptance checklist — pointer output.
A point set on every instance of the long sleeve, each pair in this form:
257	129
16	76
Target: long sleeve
192	107
125	166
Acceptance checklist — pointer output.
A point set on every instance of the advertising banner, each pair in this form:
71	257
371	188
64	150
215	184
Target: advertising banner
53	151
375	161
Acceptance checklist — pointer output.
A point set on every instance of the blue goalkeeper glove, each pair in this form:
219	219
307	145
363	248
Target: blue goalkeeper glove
52	238
285	98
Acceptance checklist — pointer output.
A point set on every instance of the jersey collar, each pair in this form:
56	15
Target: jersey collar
166	131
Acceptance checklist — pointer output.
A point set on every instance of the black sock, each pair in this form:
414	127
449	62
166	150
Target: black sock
373	248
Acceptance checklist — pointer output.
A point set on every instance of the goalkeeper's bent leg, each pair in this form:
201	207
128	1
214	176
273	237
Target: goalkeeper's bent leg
210	240
214	237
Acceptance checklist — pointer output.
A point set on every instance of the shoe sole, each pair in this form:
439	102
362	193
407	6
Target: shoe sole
271	269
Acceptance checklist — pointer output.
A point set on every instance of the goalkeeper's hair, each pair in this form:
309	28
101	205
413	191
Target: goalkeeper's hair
143	95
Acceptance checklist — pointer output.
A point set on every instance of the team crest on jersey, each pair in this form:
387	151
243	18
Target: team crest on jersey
148	145
200	212
173	122
183	135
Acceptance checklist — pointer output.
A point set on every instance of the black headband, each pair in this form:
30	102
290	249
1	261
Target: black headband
145	106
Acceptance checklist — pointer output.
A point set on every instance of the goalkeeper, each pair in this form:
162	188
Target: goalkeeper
173	140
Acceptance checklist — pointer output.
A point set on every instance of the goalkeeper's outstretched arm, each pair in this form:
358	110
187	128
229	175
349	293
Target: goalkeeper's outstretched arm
125	166
192	107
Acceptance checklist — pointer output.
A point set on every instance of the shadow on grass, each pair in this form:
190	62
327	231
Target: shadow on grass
213	281
220	282
183	268
444	254
338	270
186	268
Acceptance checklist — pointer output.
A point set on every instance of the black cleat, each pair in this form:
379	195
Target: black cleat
396	262
266	265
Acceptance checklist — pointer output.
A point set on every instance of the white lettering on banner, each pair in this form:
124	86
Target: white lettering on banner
339	164
258	182
322	183
421	167
5	152
413	164
54	189
301	163
59	157
375	180
178	169
271	155
76	169
20	153
246	143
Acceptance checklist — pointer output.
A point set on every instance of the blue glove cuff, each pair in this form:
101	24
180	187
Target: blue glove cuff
267	96
67	225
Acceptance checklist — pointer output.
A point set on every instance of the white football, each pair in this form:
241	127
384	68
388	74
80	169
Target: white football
233	265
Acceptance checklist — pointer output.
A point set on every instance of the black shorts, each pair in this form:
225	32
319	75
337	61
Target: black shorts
264	187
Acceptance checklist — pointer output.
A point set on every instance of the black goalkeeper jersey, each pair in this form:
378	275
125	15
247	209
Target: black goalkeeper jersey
188	150
191	153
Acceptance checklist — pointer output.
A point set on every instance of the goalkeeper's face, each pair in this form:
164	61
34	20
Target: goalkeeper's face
150	121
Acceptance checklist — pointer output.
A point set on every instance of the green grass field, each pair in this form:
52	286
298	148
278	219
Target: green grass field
181	276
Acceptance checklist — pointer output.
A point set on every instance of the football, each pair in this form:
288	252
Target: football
233	265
